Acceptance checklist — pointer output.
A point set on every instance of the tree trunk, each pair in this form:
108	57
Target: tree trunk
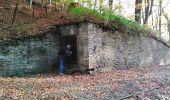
101	5
110	4
157	21
30	3
46	9
168	22
33	13
169	27
160	16
50	6
148	10
138	10
15	11
95	4
50	2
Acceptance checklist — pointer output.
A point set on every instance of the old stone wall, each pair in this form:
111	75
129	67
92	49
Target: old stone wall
96	48
83	42
108	50
29	55
69	30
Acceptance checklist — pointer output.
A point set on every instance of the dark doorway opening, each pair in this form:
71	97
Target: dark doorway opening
72	41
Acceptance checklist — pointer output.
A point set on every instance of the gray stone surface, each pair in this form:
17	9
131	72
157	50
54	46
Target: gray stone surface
29	55
83	42
117	50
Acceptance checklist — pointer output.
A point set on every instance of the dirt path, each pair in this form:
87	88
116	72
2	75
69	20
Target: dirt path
112	85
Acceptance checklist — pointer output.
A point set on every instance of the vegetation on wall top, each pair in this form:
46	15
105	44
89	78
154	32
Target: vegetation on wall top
108	17
28	21
110	20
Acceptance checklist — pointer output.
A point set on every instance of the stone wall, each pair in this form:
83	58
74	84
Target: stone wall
29	55
83	42
108	50
66	30
103	50
36	54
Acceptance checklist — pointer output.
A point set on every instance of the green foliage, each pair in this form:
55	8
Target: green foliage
108	15
81	11
64	2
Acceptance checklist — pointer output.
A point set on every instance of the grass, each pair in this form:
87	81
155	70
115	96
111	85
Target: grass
107	15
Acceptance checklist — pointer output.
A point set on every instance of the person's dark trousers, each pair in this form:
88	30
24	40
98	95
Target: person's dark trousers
61	65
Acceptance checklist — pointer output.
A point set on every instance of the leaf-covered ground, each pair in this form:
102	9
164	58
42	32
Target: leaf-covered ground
149	83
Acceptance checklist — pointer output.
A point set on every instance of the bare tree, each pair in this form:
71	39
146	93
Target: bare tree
148	10
160	16
168	21
138	10
143	12
157	20
167	18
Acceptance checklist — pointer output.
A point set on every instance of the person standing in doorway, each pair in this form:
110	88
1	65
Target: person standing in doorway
61	60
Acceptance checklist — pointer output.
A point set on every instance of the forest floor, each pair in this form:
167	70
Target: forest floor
149	83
